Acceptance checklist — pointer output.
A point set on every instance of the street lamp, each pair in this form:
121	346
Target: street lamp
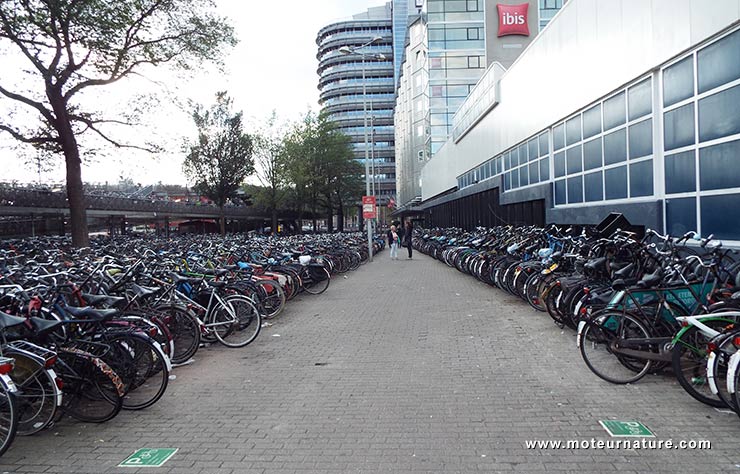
356	50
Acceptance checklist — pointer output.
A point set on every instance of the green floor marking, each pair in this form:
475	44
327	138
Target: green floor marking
148	457
630	429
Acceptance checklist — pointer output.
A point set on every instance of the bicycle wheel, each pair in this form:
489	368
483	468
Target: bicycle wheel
689	360
717	366
185	330
316	280
92	391
235	323
8	416
598	339
36	398
271	297
148	374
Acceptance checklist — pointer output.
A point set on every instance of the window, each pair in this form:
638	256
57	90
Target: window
474	62
514	158
574	160
544	169
714	212
593	186
472	5
592	154
558	137
641	139
575	189
614	113
533	151
680	172
592	121
522	153
615	147
640	99
678	127
544	145
559	191
718	114
616	183
559	162
680	215
718	166
641	178
718	64
523	176
678	81
573	130
534	175
473	33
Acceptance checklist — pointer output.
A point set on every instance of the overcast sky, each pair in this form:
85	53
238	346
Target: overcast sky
272	68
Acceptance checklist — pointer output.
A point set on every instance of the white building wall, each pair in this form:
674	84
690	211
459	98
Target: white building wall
589	49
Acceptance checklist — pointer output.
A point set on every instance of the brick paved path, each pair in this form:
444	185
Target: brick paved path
402	366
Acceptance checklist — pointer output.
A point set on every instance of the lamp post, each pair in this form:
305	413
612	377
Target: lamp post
356	50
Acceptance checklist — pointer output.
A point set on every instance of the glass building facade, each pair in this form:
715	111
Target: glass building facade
341	90
670	137
456	60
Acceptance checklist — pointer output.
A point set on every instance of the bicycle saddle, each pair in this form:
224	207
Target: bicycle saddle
44	326
595	263
619	284
625	271
91	313
217	284
143	291
9	321
650	280
103	300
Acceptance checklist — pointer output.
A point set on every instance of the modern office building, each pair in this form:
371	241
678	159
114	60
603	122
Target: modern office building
615	106
450	45
411	116
341	89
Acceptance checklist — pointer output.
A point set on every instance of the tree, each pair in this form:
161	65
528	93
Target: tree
270	168
221	159
71	46
322	166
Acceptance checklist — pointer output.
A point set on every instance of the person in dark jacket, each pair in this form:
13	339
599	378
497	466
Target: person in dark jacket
408	232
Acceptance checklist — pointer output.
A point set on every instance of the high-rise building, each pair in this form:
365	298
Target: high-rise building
456	42
341	89
412	115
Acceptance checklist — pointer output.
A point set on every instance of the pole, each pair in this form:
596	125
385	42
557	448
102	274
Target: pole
369	223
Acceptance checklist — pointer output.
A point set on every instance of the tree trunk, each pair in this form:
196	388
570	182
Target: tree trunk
222	219
274	221
75	191
340	217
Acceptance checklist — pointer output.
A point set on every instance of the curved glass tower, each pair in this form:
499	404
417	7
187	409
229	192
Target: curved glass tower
341	90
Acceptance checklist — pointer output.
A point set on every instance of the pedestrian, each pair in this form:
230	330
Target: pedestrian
399	226
407	237
393	241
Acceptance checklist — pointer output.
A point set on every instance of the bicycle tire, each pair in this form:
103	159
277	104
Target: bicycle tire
36	398
689	362
594	342
92	390
314	286
8	416
237	324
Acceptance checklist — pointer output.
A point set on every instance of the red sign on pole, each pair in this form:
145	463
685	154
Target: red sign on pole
368	207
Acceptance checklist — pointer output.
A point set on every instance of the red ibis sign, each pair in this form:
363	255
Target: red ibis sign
512	19
368	207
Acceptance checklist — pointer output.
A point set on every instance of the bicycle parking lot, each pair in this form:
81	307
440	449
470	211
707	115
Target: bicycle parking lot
402	366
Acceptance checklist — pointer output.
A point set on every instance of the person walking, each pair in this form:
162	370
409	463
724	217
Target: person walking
393	242
407	237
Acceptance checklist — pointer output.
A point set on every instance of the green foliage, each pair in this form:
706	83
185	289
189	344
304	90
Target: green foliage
221	159
322	165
